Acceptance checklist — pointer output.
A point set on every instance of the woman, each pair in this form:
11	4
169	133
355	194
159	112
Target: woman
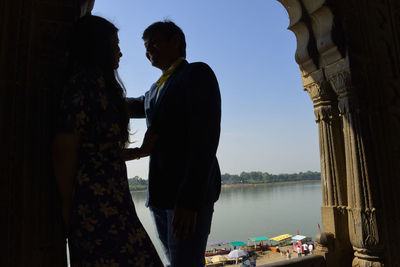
99	215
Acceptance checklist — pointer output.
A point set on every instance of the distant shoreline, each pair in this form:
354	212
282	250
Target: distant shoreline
276	183
250	185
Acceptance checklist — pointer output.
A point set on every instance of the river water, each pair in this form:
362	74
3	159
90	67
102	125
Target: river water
263	210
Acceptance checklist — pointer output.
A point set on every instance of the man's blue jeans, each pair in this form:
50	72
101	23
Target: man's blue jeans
188	252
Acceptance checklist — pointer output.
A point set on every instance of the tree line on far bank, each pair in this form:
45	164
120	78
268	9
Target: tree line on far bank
267	178
138	184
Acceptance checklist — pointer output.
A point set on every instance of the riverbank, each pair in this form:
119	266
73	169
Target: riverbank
250	185
245	179
276	183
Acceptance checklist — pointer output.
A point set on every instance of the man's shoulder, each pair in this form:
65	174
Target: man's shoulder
200	69
199	66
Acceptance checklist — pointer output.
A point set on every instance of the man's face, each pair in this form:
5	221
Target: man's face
161	51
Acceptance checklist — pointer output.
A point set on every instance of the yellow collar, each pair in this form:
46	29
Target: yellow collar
165	76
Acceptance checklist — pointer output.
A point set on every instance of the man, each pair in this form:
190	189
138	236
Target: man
183	113
298	249
311	248
305	249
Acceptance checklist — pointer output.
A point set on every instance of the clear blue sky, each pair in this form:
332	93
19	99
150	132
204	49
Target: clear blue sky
268	122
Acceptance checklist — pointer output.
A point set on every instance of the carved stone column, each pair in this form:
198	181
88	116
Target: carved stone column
362	190
333	172
312	22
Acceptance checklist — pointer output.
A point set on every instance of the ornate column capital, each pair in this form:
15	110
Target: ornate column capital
320	92
339	76
318	87
341	83
323	113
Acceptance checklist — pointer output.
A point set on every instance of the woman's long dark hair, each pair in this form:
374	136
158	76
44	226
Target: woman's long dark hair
91	47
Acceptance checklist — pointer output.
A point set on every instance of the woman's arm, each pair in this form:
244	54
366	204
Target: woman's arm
149	141
65	158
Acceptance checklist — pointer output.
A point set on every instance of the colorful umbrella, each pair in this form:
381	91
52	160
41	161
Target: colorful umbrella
237	253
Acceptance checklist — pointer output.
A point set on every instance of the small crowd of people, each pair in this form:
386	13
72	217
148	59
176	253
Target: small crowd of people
304	249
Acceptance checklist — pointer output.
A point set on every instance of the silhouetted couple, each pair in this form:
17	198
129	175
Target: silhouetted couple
182	110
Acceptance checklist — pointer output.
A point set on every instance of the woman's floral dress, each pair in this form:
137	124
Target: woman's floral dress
105	230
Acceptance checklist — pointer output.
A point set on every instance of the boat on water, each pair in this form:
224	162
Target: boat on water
281	240
216	252
217	248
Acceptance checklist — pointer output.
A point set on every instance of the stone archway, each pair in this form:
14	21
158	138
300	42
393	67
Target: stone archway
352	186
349	57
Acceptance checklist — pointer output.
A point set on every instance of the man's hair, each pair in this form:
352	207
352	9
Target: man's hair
169	30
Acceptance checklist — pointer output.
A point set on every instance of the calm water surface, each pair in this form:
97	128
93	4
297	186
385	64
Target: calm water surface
264	210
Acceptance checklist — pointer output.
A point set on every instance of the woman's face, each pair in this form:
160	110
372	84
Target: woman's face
116	51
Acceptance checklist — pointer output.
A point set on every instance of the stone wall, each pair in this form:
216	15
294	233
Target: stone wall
33	38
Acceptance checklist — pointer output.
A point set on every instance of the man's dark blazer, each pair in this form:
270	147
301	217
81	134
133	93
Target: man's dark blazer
184	170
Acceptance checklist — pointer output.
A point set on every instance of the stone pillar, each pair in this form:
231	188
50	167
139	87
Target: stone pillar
362	188
33	38
333	171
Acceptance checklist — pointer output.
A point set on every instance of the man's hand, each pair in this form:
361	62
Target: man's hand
149	141
183	223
